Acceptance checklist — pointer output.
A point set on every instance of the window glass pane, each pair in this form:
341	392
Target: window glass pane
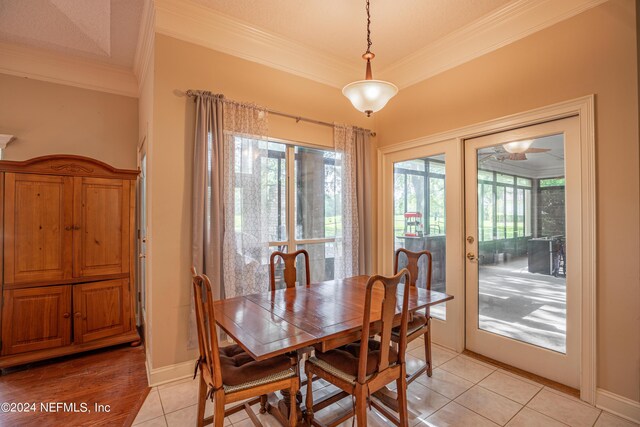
274	179
509	210
520	218
436	167
321	261
486	212
485	175
399	191
527	212
415	194
436	206
524	182
278	266
501	218
504	179
414	165
260	168
552	182
317	198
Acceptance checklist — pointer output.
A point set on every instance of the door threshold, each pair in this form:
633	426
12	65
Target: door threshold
533	377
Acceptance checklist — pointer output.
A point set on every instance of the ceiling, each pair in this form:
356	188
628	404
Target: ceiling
549	164
101	30
106	44
338	27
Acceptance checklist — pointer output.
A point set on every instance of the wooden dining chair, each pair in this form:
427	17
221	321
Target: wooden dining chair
290	272
229	374
419	324
367	366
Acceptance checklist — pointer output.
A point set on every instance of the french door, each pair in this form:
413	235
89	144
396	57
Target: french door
424	188
522	240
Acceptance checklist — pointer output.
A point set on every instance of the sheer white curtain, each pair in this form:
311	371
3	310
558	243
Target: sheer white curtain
246	237
347	236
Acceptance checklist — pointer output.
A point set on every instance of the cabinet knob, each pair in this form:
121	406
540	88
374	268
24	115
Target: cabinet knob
66	315
78	314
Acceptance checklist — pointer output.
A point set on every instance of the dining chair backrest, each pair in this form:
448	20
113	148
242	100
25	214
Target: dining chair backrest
413	259
207	334
290	272
388	312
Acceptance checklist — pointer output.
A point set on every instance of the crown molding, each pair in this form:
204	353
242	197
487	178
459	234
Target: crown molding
67	70
191	22
504	26
144	48
5	140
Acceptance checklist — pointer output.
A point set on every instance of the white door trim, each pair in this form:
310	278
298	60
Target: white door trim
584	109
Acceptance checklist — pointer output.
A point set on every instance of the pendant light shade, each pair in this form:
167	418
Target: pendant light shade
369	96
517	147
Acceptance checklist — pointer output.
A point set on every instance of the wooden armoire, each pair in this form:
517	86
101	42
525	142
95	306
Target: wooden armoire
68	251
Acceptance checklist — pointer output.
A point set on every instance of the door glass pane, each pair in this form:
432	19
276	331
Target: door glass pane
522	274
420	218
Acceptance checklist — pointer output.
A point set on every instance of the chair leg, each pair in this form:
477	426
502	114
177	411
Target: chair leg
401	389
202	400
427	349
361	406
218	409
309	401
263	404
293	408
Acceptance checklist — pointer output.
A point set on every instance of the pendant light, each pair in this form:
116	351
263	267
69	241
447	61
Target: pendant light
517	147
369	95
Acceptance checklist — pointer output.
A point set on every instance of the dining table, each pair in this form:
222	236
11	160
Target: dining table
324	315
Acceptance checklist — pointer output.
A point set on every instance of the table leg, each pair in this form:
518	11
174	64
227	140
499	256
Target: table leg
279	408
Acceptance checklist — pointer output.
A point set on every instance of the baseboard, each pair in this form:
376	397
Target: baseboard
618	405
167	374
178	371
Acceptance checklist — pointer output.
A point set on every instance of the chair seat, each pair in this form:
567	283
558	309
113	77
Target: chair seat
240	371
343	361
417	322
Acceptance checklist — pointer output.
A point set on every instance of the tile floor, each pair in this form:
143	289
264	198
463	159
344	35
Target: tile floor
461	392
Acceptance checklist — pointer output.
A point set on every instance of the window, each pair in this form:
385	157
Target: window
300	192
504	204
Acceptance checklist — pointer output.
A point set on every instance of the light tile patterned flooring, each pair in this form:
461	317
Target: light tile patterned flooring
461	392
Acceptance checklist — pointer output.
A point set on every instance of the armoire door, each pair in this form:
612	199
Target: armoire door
38	228
36	319
101	309
101	238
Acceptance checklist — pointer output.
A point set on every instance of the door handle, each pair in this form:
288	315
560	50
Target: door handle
142	256
471	256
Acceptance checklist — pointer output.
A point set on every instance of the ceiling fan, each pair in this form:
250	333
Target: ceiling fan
515	151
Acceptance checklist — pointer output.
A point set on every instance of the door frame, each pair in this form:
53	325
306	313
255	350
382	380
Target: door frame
141	315
584	109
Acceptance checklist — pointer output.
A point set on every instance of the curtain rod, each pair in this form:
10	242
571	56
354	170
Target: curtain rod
192	93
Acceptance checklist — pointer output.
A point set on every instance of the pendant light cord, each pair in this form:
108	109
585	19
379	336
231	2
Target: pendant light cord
368	29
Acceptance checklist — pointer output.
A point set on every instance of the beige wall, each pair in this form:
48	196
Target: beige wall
592	53
180	66
49	118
